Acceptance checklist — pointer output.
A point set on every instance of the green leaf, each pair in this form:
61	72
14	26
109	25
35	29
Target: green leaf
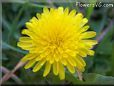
92	78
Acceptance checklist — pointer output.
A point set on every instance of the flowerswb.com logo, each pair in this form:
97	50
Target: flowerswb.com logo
98	4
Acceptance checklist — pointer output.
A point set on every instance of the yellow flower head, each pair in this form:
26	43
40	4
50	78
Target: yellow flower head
57	38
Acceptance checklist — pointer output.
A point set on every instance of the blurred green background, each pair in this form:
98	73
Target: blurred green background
100	67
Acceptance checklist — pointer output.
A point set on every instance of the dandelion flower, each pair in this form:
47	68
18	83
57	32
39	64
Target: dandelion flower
57	39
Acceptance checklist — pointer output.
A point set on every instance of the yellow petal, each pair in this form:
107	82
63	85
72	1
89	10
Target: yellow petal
82	52
60	9
51	60
72	13
45	10
71	52
88	34
71	61
61	71
38	65
90	42
56	57
70	68
80	61
30	64
52	10
47	69
66	11
79	16
64	61
25	39
28	57
80	66
85	45
55	68
29	33
84	21
25	31
85	28
32	35
38	15
29	25
25	45
39	58
34	21
91	52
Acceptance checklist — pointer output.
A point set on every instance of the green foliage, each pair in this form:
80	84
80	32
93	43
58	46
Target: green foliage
99	69
92	78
